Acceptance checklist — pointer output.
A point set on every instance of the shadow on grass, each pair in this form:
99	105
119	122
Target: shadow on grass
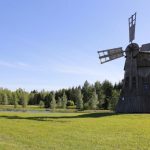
52	118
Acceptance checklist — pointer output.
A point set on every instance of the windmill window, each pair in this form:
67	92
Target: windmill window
127	82
134	82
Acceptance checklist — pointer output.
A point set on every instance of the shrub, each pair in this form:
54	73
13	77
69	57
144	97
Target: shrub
86	106
70	103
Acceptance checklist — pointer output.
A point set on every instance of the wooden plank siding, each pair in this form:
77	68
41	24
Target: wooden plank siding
135	95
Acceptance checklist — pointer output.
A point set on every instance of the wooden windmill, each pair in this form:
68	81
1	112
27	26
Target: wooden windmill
135	95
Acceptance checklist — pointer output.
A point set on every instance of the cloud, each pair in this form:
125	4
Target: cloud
17	65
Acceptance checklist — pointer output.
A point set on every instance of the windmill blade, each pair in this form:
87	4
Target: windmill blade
132	23
110	54
145	47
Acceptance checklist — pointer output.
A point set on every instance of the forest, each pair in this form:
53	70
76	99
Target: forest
89	96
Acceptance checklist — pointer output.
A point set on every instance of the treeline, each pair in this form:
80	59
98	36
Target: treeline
89	96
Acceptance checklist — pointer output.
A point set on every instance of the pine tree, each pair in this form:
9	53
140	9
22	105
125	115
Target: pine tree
93	101
64	101
79	104
53	102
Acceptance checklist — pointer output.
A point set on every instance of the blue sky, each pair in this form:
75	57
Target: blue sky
53	44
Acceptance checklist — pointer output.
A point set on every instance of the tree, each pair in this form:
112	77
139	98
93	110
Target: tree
48	99
79	104
15	100
41	104
85	91
114	99
100	93
53	102
93	101
64	101
24	99
34	98
59	102
101	99
5	99
70	103
1	98
118	86
107	88
9	97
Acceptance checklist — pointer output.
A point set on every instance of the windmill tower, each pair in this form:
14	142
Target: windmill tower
135	94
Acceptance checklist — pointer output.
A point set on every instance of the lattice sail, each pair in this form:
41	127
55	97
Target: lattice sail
132	23
110	54
145	47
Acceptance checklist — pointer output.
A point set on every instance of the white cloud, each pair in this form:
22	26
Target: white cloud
18	65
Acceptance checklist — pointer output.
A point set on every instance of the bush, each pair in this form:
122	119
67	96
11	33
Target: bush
71	107
86	106
70	103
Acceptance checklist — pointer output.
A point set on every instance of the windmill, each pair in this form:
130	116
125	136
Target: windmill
135	94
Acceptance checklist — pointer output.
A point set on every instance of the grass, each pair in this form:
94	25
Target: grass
36	108
19	107
74	131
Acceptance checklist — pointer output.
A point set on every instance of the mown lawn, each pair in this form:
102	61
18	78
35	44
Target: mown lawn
19	107
74	131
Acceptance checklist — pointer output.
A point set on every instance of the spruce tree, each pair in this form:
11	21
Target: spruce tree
53	102
107	88
114	99
48	99
85	91
64	101
79	96
93	101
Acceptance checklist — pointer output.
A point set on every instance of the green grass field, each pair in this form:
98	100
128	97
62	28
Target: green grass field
19	107
35	108
74	131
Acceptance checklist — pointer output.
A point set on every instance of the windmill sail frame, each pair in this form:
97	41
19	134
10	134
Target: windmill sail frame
132	24
110	54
